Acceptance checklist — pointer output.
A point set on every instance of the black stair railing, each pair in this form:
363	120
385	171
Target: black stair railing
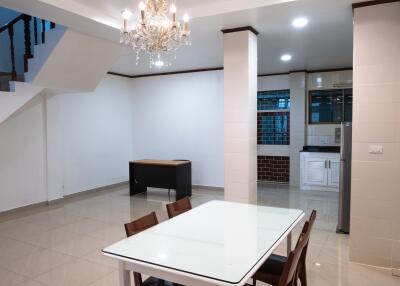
28	53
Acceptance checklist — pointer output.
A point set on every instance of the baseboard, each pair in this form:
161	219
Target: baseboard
108	188
272	182
91	192
396	272
22	209
208	188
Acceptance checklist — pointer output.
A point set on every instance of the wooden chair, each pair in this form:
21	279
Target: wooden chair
306	230
285	274
272	270
135	227
178	207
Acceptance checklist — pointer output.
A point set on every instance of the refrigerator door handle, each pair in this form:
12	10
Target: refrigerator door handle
329	164
326	164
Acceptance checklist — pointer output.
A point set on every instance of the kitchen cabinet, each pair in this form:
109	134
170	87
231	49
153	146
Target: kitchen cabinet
320	171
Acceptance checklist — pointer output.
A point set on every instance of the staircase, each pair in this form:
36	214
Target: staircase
31	39
51	57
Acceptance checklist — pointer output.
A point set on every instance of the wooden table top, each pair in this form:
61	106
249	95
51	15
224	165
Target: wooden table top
160	162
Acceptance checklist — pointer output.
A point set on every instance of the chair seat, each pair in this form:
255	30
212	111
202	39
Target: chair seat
270	272
153	281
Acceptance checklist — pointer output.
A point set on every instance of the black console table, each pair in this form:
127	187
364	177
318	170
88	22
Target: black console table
163	174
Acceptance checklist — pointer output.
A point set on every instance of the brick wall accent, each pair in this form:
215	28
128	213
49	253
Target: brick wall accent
273	169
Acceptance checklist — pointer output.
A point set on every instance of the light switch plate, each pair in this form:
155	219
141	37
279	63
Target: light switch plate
323	140
375	149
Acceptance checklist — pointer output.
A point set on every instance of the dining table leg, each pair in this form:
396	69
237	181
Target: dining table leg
289	243
124	275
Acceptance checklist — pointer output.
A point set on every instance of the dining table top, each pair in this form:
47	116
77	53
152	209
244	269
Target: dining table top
218	240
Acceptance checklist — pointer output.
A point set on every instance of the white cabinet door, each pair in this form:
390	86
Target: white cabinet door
334	172
315	171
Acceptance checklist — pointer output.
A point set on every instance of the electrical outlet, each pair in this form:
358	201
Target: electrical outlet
375	149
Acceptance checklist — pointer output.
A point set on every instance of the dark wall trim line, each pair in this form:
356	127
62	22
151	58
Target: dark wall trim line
307	71
240	29
372	3
221	68
273	74
178	72
166	73
119	74
330	70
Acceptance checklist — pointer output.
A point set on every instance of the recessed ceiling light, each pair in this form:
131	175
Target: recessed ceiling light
286	57
317	264
300	22
159	63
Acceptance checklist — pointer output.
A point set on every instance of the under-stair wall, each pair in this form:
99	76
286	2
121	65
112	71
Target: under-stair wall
77	63
22	164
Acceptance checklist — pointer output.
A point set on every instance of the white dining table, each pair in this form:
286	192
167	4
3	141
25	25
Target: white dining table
218	243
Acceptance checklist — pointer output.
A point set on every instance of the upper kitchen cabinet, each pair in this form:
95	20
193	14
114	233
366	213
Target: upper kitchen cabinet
330	106
330	97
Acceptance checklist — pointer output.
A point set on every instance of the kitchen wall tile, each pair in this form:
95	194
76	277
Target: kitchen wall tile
369	189
237	159
383	208
369	250
382	93
236	145
375	132
236	130
384	172
376	112
313	140
385	73
373	227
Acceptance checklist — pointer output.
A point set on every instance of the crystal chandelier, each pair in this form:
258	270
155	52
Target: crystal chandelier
155	33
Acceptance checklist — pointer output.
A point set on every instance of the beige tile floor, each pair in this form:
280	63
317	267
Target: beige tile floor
59	245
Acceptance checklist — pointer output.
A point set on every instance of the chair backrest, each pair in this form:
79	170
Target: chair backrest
178	207
135	227
307	232
141	224
311	221
289	274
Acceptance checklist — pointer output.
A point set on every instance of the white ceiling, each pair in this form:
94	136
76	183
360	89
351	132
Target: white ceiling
325	43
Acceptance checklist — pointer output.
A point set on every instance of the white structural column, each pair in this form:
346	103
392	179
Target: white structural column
297	123
240	115
375	180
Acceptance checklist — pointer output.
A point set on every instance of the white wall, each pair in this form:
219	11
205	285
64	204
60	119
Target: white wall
22	157
96	137
275	82
181	117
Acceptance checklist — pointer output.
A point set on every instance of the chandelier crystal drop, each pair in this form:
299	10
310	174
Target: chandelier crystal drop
155	33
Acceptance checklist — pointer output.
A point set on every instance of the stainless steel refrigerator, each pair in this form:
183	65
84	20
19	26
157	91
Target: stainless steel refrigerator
345	178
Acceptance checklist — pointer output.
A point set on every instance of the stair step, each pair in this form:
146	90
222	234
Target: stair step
5	79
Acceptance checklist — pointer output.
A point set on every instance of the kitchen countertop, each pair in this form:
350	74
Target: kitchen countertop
321	149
